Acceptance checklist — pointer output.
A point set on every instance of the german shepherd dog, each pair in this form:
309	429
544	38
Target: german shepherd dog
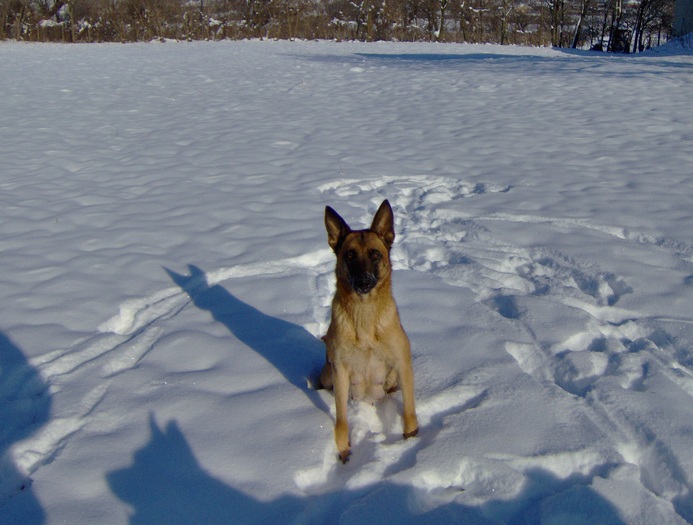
368	353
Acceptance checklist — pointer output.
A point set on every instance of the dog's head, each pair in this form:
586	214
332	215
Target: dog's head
363	256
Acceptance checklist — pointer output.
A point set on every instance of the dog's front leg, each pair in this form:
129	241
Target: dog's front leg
340	376
406	379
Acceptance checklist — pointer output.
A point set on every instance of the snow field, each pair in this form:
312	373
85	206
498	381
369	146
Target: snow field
166	277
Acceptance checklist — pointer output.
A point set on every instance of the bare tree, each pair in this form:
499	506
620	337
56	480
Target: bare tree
617	25
585	6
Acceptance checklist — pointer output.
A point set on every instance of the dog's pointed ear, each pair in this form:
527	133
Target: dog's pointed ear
336	227
384	223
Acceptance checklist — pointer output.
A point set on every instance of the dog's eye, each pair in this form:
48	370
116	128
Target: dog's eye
375	255
349	255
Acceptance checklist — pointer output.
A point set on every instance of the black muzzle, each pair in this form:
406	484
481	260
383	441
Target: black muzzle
362	284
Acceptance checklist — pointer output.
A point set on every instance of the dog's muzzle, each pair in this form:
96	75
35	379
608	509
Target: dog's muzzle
363	283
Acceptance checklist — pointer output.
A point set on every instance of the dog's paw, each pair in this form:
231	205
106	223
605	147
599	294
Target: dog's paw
344	456
411	434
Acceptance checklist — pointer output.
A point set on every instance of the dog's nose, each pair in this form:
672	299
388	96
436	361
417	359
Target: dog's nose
363	284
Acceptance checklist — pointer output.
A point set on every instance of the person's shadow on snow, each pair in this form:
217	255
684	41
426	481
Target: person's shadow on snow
290	348
166	484
24	407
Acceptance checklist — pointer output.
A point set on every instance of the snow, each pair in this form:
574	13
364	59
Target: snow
165	277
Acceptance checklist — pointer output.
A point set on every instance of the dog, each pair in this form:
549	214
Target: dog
368	352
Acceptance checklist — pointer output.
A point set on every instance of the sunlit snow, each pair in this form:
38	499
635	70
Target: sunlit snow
165	280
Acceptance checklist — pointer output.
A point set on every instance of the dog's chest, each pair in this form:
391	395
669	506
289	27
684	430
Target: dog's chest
362	339
368	372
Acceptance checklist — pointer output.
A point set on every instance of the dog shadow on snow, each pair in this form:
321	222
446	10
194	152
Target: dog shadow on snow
290	348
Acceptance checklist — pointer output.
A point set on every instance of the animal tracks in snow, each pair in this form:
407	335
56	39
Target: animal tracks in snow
376	436
434	235
572	332
437	236
569	330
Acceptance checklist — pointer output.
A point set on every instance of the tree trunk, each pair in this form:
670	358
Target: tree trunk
443	7
578	28
639	22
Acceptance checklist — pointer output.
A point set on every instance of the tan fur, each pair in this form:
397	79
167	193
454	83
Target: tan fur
368	352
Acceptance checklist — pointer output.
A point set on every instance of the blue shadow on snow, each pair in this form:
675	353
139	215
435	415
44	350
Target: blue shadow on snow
166	484
290	348
568	62
24	407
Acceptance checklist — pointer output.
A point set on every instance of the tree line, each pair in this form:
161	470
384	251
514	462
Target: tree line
608	25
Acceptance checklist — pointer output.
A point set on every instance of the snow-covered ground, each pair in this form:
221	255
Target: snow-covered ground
164	276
